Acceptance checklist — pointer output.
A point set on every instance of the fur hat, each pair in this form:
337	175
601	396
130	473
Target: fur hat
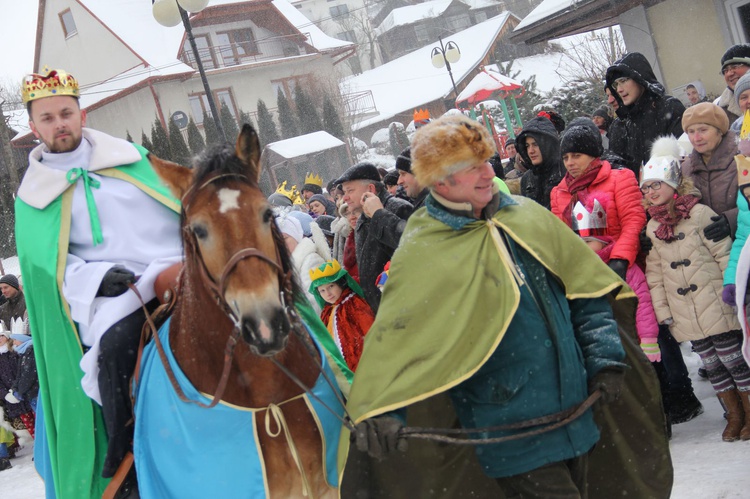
737	54
10	280
448	145
582	136
664	163
708	113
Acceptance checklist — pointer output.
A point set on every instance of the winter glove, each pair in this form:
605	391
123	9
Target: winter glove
115	281
609	382
379	436
11	398
651	348
620	267
719	229
646	243
729	294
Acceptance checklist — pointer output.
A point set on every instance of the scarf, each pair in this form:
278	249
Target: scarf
682	207
21	349
350	257
576	185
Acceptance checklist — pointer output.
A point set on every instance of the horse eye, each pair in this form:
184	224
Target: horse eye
268	216
200	231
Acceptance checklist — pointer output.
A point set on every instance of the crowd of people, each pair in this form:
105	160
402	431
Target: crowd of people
451	274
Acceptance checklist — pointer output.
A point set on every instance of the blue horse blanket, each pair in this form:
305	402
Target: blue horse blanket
183	450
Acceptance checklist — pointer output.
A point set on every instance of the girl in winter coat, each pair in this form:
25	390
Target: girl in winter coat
346	314
684	271
589	175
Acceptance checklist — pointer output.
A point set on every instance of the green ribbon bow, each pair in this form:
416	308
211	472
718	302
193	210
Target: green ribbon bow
88	182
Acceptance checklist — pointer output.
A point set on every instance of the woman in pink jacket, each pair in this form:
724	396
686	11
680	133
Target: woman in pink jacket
589	175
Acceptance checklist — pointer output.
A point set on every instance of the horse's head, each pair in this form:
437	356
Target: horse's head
231	239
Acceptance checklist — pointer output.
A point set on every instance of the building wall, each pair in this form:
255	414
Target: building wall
73	53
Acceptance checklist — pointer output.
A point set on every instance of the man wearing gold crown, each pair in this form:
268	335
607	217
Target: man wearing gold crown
91	217
511	319
313	185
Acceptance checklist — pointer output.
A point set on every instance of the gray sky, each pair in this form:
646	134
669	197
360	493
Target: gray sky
18	28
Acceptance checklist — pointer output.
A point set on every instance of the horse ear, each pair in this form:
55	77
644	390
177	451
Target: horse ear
248	150
177	177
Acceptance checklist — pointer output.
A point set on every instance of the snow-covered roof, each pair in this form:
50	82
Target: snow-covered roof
544	10
480	4
543	66
318	39
412	81
412	14
304	144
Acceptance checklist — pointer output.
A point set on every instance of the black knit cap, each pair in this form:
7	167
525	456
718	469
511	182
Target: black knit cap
315	189
324	222
403	161
391	178
736	54
510	142
582	136
10	280
360	171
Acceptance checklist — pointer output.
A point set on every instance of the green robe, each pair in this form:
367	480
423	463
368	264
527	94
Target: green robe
73	422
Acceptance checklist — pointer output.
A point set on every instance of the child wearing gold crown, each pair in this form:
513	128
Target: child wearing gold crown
684	270
345	313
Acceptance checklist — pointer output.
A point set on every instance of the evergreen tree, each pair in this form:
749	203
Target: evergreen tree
180	151
209	128
160	140
128	137
331	120
229	124
309	118
267	130
195	139
287	119
245	118
146	142
397	138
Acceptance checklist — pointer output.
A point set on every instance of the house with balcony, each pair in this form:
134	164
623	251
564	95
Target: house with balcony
132	70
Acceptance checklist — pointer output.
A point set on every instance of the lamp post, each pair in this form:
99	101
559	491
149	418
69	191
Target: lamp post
444	56
169	13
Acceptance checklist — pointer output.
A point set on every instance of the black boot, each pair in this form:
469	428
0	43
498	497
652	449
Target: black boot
5	463
685	407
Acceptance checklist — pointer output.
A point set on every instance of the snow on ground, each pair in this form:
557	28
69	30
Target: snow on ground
705	467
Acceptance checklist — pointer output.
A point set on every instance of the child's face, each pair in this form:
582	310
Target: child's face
657	193
330	292
595	244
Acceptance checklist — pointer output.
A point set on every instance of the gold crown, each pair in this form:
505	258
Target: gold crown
421	115
286	192
328	269
745	130
52	83
314	179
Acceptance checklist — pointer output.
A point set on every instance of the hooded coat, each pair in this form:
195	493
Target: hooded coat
537	183
653	115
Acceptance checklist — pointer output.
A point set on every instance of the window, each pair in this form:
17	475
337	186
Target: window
354	64
422	33
738	18
348	36
339	10
199	104
205	51
68	23
234	45
287	86
480	17
458	23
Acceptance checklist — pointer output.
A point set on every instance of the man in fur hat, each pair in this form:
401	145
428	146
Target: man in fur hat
510	324
81	240
15	304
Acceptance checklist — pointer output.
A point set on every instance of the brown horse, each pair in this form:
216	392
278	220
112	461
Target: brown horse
235	279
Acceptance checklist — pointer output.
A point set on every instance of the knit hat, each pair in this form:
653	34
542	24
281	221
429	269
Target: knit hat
290	226
448	145
391	178
741	85
510	142
737	54
329	205
10	280
582	136
304	220
403	161
360	171
325	222
330	271
708	113
664	163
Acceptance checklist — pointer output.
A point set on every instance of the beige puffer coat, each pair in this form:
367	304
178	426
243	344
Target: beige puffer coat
686	279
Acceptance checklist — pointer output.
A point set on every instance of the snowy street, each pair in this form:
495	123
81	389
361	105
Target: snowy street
705	467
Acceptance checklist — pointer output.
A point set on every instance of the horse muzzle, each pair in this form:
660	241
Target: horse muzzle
267	336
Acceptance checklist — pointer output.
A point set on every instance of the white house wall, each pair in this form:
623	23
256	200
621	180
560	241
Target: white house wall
88	62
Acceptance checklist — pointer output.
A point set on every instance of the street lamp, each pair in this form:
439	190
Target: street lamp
444	56
169	13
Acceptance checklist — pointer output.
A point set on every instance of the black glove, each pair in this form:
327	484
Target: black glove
379	436
620	267
719	229
115	281
609	382
646	243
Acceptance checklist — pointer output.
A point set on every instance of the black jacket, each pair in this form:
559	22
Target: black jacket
376	239
537	183
652	116
13	308
27	380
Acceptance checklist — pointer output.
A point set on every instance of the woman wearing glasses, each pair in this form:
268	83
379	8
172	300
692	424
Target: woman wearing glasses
644	113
